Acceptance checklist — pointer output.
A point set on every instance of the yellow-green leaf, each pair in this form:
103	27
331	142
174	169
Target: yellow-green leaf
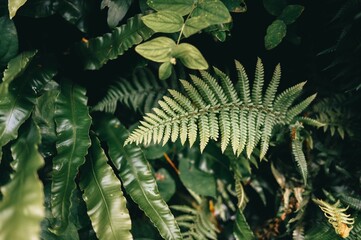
190	56
165	70
14	5
164	21
157	50
181	7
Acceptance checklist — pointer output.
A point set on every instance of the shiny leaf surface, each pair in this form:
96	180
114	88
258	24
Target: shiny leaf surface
116	10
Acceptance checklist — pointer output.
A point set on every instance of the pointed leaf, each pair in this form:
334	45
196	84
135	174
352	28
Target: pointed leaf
103	197
165	70
291	13
157	50
97	51
18	102
117	10
242	230
300	158
72	127
194	25
23	197
181	7
8	41
213	11
14	5
137	177
164	21
274	7
190	56
275	33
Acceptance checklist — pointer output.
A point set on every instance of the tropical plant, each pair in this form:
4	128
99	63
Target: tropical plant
98	100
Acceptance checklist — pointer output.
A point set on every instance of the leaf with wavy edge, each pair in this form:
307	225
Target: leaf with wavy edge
17	103
72	126
23	196
137	177
97	51
242	230
103	196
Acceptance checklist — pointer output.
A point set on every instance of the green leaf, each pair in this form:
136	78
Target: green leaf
194	25
275	33
23	197
300	158
164	21
72	127
137	177
166	184
291	13
213	11
14	6
182	7
97	51
18	102
274	7
165	70
190	56
39	8
157	50
237	6
8	41
117	10
103	196
200	182
241	230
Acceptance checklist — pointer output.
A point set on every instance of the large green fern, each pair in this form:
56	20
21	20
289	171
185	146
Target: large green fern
213	107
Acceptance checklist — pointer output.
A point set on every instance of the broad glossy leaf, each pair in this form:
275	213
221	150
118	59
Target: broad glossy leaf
103	196
18	102
166	184
97	51
164	21
241	230
165	70
137	177
14	5
39	8
275	33
72	127
274	7
213	11
182	7
117	10
157	50
200	182
23	197
190	56
290	13
8	40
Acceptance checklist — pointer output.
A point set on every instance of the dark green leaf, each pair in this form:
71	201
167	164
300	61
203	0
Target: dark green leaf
275	33
157	50
166	184
164	21
97	51
291	13
241	229
137	177
14	5
274	7
72	127
8	40
103	196
194	179
237	6
23	197
39	8
190	56
182	7
155	151
117	10
18	101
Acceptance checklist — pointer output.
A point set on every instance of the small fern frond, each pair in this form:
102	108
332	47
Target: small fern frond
212	108
341	222
297	152
141	93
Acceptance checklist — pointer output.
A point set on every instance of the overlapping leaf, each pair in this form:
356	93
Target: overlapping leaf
137	177
72	126
9	40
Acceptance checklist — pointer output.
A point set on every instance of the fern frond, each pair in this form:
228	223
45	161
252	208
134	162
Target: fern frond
341	222
297	152
140	93
212	108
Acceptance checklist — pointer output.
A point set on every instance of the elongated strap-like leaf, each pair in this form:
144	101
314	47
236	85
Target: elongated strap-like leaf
97	51
18	100
72	126
241	229
103	197
23	198
137	177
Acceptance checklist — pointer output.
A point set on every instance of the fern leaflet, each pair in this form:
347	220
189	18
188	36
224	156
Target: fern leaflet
213	107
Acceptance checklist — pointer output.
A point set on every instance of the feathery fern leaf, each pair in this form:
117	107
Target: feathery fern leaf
197	223
97	51
72	126
242	231
297	152
341	222
103	196
141	93
321	231
137	177
241	119
23	196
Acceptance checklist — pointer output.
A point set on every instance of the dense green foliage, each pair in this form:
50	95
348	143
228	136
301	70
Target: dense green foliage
98	99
